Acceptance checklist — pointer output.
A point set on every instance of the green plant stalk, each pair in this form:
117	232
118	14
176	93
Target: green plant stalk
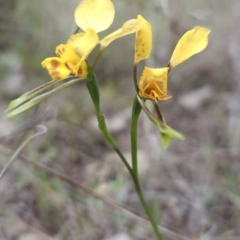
136	110
135	77
94	93
99	54
147	210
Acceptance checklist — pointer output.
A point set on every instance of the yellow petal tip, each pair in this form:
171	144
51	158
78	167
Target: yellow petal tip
191	43
95	14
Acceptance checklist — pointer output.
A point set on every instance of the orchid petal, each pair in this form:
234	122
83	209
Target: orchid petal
95	14
83	43
191	43
143	44
67	53
128	27
57	68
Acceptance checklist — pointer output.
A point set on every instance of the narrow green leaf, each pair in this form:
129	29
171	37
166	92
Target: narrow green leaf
40	98
26	96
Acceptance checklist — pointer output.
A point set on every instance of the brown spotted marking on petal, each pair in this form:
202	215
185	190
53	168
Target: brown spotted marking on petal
56	75
59	51
148	91
139	40
140	50
54	63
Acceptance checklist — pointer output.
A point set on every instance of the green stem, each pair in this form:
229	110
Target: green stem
99	54
159	114
136	110
135	77
147	210
94	92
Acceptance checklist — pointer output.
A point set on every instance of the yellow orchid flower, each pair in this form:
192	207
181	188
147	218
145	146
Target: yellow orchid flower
92	16
68	62
153	81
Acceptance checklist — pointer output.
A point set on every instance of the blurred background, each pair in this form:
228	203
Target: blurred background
193	188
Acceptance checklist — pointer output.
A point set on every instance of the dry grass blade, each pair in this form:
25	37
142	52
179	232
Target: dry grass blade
41	130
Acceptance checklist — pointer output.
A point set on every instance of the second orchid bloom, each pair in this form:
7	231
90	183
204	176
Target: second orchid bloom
153	81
